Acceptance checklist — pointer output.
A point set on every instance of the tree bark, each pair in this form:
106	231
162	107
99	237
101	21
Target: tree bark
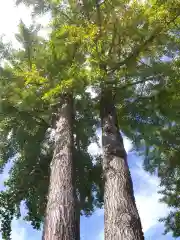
122	220
60	220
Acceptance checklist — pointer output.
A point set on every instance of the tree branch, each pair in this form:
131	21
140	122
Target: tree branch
133	83
113	40
140	48
38	119
136	52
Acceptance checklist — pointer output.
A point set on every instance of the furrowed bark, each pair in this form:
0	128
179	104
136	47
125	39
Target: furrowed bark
122	220
60	220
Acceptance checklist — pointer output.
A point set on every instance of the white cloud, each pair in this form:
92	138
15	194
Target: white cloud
5	174
95	149
10	16
147	198
18	232
91	91
100	236
99	212
3	178
127	144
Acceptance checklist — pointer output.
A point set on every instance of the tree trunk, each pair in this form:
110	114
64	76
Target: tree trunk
122	220
60	220
78	225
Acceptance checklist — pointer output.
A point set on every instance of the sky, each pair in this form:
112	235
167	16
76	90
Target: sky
145	186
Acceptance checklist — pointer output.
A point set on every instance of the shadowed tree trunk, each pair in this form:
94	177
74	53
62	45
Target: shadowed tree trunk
60	220
78	225
122	220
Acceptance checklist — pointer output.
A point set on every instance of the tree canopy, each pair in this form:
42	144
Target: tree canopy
27	135
122	44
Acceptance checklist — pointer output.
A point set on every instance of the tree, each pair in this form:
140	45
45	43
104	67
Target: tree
31	140
163	158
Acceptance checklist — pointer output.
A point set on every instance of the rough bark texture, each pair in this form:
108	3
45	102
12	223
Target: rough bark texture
60	221
122	220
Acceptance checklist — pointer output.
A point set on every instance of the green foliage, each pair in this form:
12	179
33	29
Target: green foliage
25	122
119	44
162	147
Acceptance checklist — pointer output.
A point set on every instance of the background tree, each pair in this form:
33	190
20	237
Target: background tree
163	158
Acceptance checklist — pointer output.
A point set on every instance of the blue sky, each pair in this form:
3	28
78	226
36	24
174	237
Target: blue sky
145	186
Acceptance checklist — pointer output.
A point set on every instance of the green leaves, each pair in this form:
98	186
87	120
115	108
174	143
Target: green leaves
28	103
119	44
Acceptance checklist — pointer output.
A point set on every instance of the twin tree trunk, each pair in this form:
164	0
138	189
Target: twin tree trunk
60	220
122	220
